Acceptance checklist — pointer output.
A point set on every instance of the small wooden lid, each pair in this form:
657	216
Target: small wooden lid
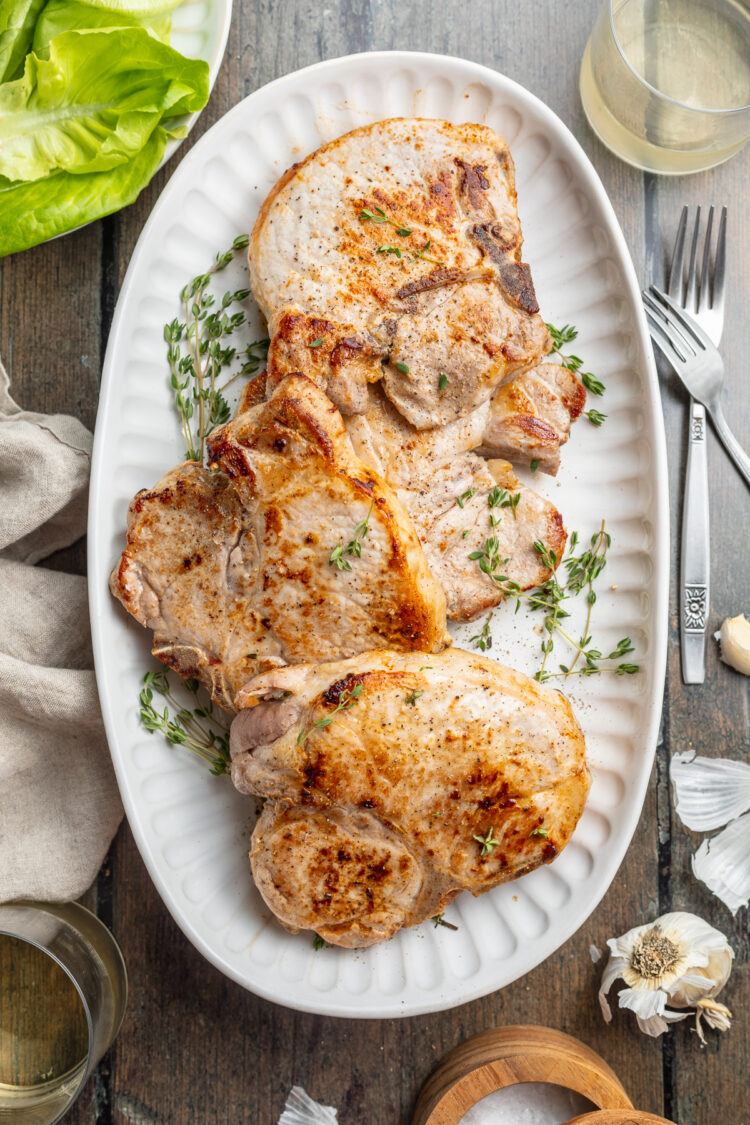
507	1056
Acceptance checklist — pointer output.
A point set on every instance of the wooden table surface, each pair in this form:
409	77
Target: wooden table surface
197	1048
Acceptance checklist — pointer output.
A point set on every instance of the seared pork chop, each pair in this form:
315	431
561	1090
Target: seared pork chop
394	781
234	579
530	417
394	252
458	501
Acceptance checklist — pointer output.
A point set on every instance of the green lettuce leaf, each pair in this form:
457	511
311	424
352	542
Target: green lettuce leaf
76	15
31	213
17	21
94	103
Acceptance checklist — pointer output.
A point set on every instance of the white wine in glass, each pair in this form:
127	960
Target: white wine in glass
665	84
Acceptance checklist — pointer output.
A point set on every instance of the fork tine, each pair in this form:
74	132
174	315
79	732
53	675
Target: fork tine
704	295
680	318
662	341
660	320
691	296
720	261
675	269
669	324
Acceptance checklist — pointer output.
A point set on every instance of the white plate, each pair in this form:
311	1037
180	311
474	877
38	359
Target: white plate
200	29
193	829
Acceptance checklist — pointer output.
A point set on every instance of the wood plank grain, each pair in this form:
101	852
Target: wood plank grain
710	718
194	1046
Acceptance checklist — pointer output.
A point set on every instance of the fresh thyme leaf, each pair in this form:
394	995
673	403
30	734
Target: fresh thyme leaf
465	496
562	336
198	730
465	532
539	832
378	215
442	383
338	555
595	417
347	699
414	696
591	383
534	465
439	920
319	942
389	250
317	343
483	640
425	667
403	368
502	498
199	350
488	843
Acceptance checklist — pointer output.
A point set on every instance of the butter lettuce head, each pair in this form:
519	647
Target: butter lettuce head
94	103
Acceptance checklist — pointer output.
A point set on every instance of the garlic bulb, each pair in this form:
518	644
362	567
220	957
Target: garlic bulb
678	960
734	639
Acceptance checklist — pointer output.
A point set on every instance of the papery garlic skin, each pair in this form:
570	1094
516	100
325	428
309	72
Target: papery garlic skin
678	960
734	642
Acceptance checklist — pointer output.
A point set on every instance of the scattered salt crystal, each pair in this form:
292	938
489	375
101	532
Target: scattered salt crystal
596	953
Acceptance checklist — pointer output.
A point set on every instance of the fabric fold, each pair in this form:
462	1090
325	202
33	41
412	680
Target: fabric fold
59	803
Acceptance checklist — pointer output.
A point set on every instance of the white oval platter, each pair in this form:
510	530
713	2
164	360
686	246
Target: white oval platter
192	828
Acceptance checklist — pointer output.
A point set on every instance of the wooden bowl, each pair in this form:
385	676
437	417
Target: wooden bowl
618	1117
506	1056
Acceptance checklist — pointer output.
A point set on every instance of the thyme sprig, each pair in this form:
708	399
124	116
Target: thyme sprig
439	920
483	640
338	555
378	215
581	572
574	363
199	351
198	729
500	497
347	699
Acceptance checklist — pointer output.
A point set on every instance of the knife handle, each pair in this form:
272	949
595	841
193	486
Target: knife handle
695	555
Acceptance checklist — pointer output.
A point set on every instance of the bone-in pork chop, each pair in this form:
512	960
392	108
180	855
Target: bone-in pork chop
394	252
234	579
394	781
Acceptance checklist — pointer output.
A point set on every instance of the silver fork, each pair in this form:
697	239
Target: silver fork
696	361
706	302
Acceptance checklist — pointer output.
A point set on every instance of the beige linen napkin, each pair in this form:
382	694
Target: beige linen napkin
59	805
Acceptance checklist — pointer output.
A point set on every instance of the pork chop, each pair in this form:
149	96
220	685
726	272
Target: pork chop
529	418
394	781
458	501
234	579
394	252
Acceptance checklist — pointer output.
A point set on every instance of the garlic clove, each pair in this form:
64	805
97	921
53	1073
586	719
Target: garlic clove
734	641
300	1109
677	962
709	792
723	864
